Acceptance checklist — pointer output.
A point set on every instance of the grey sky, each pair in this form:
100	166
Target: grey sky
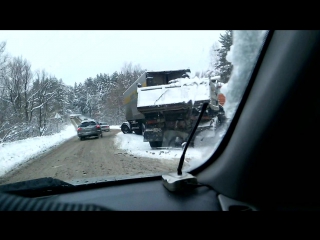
74	55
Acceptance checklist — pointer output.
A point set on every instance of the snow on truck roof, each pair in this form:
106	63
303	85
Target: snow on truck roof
180	90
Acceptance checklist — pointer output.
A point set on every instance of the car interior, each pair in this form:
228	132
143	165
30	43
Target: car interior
267	160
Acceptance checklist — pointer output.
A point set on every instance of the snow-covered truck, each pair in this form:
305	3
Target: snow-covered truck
135	120
171	109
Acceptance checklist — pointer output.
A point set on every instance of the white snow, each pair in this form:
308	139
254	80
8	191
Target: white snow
134	144
181	90
14	154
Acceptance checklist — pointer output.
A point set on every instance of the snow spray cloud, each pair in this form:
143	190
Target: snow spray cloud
243	56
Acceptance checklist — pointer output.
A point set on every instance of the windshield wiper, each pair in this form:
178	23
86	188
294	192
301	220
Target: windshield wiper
37	187
24	196
179	181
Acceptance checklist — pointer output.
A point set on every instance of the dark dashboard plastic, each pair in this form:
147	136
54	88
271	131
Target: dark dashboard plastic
134	196
144	196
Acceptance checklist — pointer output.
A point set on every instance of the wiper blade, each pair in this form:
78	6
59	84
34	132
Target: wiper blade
37	187
12	196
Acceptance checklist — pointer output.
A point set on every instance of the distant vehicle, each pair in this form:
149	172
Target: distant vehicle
104	127
89	128
72	116
125	127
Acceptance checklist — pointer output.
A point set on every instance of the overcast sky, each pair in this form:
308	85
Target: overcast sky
76	55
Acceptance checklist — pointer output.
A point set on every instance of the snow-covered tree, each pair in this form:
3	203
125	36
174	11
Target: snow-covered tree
29	101
213	55
222	66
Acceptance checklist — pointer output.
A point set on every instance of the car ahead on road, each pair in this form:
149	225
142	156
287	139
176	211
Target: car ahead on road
104	127
89	128
74	115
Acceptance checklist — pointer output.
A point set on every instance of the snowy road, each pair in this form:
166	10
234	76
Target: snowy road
91	158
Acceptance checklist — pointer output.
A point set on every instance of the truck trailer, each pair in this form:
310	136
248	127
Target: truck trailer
166	105
135	120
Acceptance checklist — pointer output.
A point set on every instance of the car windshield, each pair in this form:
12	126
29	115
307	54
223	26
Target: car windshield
86	124
149	87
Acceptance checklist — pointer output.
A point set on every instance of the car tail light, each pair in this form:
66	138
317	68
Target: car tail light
79	129
98	126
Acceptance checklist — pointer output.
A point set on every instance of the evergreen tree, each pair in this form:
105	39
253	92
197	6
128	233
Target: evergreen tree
222	66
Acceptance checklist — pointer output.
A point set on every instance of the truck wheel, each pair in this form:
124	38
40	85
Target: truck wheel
219	121
125	129
138	132
155	144
141	130
175	142
143	127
